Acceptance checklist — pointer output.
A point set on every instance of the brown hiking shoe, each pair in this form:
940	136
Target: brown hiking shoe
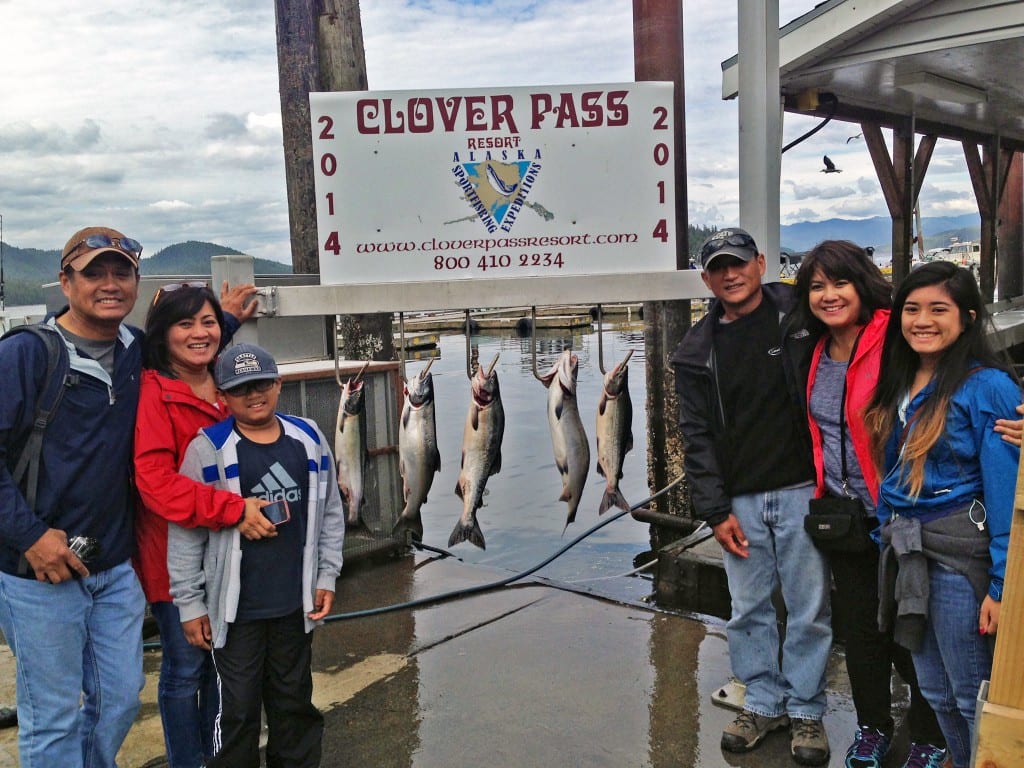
808	742
747	730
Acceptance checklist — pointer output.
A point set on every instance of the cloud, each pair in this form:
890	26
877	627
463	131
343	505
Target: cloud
88	135
526	43
942	194
109	176
225	126
818	192
170	205
40	137
704	215
861	208
712	168
802	214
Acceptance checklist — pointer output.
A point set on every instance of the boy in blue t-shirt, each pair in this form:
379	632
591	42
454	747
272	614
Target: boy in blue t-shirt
255	603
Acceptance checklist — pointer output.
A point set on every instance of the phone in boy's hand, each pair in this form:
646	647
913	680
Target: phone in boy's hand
277	512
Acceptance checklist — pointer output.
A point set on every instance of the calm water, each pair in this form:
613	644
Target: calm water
522	519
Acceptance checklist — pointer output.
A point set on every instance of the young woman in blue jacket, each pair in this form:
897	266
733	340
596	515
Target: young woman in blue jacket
947	484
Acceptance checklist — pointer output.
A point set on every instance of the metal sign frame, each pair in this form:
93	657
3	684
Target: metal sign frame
476	293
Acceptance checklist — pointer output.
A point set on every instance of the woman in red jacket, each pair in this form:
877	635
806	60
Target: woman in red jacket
842	294
184	330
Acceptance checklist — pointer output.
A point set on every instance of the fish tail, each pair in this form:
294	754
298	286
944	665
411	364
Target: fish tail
613	498
352	506
569	518
413	524
470	533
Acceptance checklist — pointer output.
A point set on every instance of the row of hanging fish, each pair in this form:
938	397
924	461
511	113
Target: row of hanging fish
419	459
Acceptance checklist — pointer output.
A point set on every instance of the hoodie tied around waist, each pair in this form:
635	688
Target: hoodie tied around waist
954	540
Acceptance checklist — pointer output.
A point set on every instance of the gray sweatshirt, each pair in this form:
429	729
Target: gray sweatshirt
205	565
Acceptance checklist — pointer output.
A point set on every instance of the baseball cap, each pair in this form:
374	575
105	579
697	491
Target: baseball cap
86	244
728	242
243	363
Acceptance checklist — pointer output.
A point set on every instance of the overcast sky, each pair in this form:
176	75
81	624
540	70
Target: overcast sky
162	119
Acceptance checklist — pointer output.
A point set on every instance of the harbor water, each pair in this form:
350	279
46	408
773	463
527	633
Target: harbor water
522	519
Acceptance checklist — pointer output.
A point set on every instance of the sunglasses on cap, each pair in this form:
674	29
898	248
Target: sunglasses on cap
172	287
242	390
737	240
126	244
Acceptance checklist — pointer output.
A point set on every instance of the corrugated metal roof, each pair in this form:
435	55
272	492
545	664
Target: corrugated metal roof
952	64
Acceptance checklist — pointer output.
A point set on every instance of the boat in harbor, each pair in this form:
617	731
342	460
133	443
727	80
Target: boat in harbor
966	253
14	316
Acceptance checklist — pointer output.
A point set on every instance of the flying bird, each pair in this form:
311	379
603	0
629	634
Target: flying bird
853	138
830	167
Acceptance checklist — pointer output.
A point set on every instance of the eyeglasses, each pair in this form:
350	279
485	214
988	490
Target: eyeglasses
737	240
126	244
242	390
172	287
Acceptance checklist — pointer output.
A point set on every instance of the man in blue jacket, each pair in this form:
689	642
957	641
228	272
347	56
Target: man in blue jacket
75	626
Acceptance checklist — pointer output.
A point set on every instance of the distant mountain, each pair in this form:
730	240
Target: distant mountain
193	258
27	269
877	231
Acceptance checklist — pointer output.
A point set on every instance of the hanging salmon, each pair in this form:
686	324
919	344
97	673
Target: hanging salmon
481	452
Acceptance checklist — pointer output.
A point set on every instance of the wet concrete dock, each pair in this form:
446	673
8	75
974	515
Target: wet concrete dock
530	675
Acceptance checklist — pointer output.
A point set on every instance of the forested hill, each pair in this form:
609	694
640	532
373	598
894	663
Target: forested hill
193	258
27	269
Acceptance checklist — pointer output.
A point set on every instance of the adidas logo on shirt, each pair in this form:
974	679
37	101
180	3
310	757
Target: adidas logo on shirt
277	484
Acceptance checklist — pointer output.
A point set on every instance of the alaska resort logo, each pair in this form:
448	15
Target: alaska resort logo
497	191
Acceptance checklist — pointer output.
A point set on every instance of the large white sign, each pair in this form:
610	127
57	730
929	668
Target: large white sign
494	182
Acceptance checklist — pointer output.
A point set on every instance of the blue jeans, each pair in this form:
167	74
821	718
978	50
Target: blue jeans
781	554
187	693
953	659
78	646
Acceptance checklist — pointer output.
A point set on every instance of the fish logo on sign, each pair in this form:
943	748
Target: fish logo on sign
495	190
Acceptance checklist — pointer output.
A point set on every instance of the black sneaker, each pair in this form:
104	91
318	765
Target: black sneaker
8	717
808	742
747	730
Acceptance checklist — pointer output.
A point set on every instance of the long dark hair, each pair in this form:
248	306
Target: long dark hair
169	308
900	363
841	260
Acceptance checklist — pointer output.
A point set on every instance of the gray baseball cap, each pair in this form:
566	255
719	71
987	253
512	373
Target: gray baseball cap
243	363
728	242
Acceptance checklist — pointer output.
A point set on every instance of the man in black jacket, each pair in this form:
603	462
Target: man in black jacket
741	376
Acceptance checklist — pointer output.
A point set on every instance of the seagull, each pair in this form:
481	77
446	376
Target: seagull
830	167
853	138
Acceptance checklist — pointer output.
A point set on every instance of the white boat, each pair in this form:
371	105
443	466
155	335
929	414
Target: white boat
966	254
13	316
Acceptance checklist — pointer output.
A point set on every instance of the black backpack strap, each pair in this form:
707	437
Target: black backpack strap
58	376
